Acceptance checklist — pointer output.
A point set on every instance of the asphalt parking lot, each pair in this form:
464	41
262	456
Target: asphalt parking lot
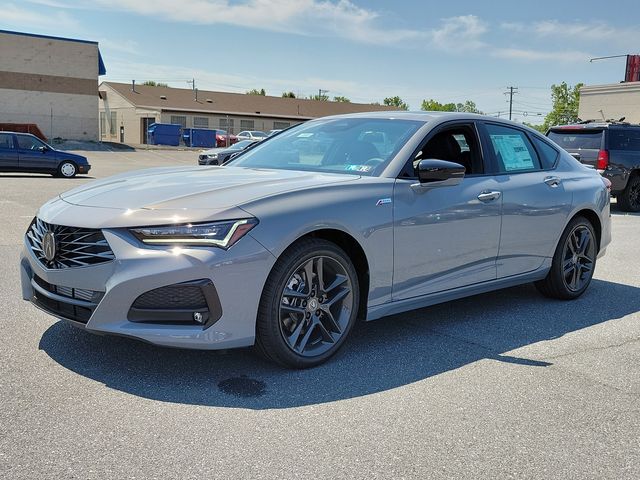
503	385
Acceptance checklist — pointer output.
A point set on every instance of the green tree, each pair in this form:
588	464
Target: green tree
152	83
255	91
322	98
540	128
396	102
434	106
341	99
566	100
288	95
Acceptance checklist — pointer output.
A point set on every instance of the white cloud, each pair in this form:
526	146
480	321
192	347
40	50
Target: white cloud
18	17
460	33
541	55
576	31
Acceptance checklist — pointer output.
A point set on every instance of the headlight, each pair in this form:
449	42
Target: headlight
212	155
217	234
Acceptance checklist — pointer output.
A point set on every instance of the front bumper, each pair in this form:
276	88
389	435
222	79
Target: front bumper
238	275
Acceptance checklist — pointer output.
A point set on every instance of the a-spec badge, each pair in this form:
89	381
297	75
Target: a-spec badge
383	201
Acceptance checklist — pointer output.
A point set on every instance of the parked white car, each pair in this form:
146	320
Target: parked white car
251	135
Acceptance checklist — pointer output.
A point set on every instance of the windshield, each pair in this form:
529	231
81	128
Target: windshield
358	146
577	139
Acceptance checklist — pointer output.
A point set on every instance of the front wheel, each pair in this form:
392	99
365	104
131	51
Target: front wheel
67	169
308	306
629	198
573	262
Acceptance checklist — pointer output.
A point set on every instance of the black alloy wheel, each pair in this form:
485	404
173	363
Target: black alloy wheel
579	258
309	304
574	262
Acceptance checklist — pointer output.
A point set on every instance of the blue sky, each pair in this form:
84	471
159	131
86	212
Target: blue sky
364	50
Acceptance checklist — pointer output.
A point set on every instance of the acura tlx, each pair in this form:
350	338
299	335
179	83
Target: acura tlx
339	218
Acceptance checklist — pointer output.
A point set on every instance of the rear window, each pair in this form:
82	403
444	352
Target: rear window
577	139
624	139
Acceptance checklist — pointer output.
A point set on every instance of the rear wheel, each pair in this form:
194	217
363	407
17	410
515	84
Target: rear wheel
629	198
308	306
67	169
573	262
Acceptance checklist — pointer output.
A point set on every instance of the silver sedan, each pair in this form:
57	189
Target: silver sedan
346	217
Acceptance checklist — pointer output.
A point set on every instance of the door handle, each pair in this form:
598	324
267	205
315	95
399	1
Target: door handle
488	196
552	181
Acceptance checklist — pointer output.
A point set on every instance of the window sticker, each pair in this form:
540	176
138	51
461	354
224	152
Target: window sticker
358	168
514	152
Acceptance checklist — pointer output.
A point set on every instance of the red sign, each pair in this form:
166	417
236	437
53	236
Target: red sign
633	69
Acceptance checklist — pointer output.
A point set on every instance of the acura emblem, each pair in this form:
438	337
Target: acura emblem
49	246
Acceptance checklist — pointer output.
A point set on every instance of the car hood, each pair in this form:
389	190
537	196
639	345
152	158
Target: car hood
188	188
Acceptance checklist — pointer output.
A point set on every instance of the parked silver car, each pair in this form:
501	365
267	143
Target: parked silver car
254	135
361	215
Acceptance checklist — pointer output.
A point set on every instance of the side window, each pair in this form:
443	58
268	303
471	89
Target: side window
513	151
26	142
624	139
457	144
548	154
6	140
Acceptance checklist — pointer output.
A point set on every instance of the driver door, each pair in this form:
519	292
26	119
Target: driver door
34	155
446	237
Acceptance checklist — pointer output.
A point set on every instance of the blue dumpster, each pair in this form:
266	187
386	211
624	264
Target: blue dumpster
199	137
164	134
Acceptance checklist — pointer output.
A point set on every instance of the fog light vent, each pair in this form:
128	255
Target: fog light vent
189	303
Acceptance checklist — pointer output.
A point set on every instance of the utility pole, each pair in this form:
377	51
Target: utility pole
321	93
511	91
193	83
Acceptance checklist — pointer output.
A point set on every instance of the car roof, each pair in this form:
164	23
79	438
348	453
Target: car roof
431	117
594	126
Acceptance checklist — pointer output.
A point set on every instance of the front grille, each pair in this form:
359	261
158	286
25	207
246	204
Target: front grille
74	247
75	304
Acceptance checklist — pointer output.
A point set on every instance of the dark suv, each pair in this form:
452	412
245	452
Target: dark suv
613	148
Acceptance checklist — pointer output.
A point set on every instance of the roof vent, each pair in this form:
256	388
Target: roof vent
163	97
209	100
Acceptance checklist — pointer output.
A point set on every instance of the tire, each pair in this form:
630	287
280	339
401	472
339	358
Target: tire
67	169
629	198
303	323
573	262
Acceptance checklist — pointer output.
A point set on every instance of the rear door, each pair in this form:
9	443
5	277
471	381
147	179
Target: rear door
8	152
535	202
583	143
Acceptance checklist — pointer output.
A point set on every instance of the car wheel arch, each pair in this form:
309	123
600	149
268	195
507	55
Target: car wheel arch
354	251
593	218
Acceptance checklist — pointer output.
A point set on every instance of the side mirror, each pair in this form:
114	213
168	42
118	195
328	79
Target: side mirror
43	149
433	172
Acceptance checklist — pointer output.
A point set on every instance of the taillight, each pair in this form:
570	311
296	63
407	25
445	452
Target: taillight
603	160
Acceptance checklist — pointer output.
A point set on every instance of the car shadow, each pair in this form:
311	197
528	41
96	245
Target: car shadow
381	355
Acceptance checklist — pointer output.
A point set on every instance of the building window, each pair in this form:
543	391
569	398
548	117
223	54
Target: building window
246	125
113	123
200	122
281	125
226	125
103	124
180	120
